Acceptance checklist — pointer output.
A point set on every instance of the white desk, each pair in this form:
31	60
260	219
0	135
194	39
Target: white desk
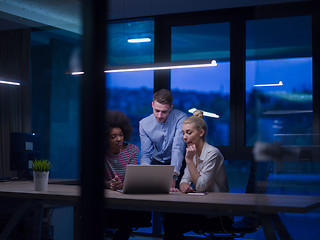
267	205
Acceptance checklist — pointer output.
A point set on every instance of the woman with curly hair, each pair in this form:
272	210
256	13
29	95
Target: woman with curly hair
119	154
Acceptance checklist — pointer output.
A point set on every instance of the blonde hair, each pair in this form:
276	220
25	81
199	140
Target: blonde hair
198	121
198	113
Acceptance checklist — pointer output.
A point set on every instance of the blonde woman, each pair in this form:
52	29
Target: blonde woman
205	172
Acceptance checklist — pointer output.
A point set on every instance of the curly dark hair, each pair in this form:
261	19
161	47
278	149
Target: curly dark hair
117	119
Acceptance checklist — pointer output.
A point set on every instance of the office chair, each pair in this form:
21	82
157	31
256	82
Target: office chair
257	181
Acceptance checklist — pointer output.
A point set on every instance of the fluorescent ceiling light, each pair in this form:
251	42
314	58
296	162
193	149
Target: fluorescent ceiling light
10	83
279	112
294	134
156	66
139	40
269	85
77	73
207	114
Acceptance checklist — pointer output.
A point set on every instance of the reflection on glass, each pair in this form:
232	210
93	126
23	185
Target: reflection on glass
205	41
56	98
131	93
279	81
207	89
120	48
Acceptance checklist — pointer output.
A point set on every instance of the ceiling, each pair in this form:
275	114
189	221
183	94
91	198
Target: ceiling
66	14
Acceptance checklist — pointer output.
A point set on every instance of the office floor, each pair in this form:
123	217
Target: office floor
144	238
193	236
300	226
190	238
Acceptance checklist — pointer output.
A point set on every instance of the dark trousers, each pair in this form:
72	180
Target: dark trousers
175	225
124	221
157	217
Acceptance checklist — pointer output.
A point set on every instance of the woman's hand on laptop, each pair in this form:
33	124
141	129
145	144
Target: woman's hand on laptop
116	183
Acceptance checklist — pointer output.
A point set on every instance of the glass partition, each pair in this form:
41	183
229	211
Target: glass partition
131	92
130	42
279	81
56	98
207	89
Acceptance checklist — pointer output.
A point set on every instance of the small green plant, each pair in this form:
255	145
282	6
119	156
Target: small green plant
41	165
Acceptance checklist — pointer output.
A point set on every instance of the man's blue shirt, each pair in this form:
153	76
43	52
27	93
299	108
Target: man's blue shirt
163	141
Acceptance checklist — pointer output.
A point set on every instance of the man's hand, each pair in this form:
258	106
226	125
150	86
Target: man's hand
174	180
173	183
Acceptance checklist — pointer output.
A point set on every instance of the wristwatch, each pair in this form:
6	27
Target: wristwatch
175	177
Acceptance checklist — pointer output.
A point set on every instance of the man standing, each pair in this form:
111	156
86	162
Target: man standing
161	134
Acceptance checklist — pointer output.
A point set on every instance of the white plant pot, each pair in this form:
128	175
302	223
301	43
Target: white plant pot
40	180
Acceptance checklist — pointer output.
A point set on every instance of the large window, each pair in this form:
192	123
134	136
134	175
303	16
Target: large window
207	89
130	92
122	51
279	81
261	88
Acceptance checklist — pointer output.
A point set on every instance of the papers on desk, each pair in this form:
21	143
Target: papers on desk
197	193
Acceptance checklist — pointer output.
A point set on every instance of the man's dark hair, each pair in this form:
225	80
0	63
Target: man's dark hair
163	96
117	119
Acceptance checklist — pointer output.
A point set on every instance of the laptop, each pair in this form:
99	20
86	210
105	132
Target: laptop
148	179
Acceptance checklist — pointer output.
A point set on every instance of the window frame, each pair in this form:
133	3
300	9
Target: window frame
237	17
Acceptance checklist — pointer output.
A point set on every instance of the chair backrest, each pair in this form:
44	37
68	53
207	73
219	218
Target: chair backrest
258	177
257	182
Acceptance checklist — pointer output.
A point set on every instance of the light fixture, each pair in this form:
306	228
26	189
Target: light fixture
167	66
77	73
156	66
269	85
283	112
207	114
10	83
139	40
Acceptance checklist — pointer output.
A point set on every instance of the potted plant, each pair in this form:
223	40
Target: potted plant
41	174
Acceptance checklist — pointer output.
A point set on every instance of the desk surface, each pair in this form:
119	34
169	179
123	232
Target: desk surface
173	202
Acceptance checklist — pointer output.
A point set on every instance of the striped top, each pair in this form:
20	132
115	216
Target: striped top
115	164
